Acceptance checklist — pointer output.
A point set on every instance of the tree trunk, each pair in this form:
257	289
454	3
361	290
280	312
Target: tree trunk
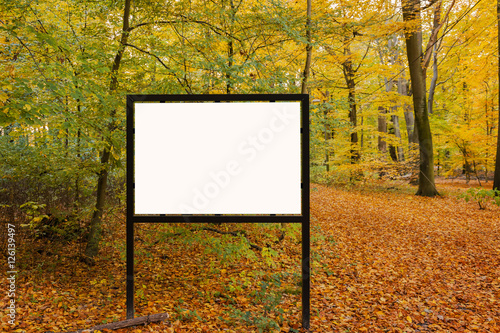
362	134
230	50
382	128
496	177
328	135
397	133
353	117
409	118
95	223
307	66
411	13
230	53
396	153
432	88
348	70
392	149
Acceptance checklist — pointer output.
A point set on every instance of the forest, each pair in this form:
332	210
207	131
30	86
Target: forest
404	164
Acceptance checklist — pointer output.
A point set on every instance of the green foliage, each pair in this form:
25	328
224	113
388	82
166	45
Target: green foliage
263	323
33	210
227	247
482	196
58	113
269	296
184	314
54	227
270	256
243	281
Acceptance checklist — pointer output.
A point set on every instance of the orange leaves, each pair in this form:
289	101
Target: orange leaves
406	265
381	262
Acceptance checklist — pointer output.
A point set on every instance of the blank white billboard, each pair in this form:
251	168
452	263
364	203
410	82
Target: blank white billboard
217	158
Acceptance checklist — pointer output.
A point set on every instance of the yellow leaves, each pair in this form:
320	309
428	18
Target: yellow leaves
96	282
3	97
61	134
242	299
408	318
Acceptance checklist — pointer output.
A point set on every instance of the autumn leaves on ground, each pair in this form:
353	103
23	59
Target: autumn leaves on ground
383	260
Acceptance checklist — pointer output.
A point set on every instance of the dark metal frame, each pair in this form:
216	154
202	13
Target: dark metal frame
304	218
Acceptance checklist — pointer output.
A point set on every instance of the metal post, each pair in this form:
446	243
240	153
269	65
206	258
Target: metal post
130	270
306	275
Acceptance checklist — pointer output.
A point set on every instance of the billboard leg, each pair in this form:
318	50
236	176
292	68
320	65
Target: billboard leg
306	275
130	270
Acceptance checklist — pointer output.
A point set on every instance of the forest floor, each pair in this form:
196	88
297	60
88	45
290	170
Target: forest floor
383	260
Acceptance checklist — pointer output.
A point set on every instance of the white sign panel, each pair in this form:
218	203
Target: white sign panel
217	158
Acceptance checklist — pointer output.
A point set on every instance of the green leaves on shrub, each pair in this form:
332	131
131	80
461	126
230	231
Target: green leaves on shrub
482	196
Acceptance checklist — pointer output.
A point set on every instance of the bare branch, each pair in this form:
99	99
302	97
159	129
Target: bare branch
38	67
150	23
364	56
161	62
438	23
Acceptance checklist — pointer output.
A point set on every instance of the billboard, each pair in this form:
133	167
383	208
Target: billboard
212	155
218	158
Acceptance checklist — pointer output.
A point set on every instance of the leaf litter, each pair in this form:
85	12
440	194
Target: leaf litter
382	261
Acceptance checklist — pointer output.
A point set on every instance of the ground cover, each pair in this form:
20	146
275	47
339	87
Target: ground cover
384	260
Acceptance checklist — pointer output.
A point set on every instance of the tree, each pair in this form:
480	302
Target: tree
496	177
95	223
418	63
349	73
307	66
392	53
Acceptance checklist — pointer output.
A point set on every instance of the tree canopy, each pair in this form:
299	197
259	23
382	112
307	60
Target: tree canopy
67	66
